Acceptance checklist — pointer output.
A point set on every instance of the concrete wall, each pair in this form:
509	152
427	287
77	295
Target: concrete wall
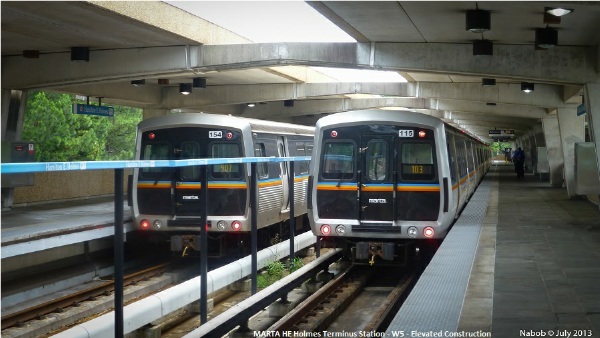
67	185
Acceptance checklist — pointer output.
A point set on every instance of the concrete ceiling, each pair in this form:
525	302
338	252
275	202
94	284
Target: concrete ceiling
425	41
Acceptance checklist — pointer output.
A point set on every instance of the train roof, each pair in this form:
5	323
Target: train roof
375	115
256	125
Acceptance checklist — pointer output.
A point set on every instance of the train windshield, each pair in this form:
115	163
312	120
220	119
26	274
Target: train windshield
338	160
154	152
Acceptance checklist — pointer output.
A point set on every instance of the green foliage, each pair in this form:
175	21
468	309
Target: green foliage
296	264
276	270
498	147
60	135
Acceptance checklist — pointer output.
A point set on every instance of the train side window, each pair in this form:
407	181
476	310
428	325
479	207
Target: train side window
153	152
261	167
190	150
417	161
338	160
377	159
227	170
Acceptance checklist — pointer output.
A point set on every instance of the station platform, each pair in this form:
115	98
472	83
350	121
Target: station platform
45	226
523	260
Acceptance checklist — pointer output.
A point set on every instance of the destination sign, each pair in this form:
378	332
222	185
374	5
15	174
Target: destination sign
504	133
87	109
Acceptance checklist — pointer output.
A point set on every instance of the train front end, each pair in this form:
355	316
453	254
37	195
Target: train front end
167	200
377	182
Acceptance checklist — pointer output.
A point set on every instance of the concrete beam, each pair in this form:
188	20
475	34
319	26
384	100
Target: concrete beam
566	65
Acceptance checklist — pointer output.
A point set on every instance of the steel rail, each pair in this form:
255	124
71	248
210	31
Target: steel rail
58	304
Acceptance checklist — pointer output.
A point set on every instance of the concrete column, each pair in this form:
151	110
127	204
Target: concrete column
591	92
154	112
592	108
572	130
539	141
13	114
553	145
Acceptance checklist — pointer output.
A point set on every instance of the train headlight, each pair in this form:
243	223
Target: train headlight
221	225
236	225
325	229
428	232
157	224
145	224
412	232
340	229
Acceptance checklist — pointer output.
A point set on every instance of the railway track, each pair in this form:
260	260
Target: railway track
320	311
59	304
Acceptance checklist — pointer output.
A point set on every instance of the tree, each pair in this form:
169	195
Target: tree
60	135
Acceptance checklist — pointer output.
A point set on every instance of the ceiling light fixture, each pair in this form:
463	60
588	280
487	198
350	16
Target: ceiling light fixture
558	11
199	82
527	87
546	37
138	82
31	54
478	21
251	105
288	103
185	88
80	54
488	82
483	47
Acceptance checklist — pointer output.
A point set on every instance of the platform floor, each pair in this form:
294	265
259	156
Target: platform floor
547	261
523	260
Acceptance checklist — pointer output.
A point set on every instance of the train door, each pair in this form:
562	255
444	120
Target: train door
376	180
186	180
282	152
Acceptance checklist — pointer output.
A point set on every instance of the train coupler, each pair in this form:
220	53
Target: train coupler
181	243
370	250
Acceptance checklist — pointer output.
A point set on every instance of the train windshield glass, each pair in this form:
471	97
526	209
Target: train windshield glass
377	158
153	152
417	161
227	170
190	150
338	160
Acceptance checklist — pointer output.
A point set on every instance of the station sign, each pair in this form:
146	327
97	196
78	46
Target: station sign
88	109
502	133
580	109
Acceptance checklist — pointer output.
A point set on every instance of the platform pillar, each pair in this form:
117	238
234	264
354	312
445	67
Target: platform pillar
553	145
591	92
572	128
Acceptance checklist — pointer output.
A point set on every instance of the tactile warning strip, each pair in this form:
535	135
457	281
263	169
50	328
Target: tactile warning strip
436	301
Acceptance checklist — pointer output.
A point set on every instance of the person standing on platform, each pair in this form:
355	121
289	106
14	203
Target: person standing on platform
519	161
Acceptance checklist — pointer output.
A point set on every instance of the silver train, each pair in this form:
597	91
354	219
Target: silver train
382	180
165	201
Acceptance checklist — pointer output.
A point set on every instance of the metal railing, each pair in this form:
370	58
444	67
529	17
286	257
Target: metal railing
120	166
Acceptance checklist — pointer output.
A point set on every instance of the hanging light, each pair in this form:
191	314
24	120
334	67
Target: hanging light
546	37
483	47
138	82
199	82
558	11
527	87
80	54
478	21
488	82
185	88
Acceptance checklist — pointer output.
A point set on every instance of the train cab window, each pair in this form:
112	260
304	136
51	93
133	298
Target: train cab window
417	161
227	170
377	158
190	150
338	160
152	152
261	167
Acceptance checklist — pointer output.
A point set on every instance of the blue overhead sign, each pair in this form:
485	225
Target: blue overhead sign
580	109
88	109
